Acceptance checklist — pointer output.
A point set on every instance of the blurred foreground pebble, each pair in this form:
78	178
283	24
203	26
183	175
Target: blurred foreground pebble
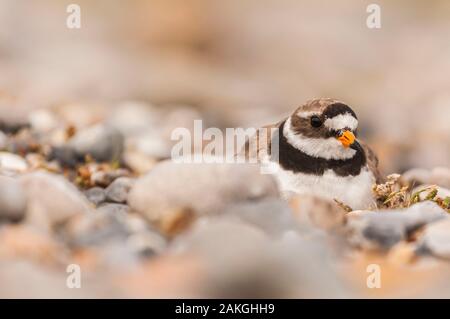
384	229
13	202
172	194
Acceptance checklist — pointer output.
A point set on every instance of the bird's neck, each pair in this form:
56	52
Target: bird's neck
293	159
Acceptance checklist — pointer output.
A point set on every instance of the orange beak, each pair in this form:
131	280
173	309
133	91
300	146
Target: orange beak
347	138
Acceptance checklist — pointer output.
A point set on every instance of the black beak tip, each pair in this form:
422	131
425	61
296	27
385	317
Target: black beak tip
356	146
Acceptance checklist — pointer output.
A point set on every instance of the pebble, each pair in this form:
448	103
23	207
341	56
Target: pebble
25	241
436	239
3	141
138	162
114	209
152	144
52	200
105	178
81	115
213	237
43	120
382	230
436	176
106	224
12	163
23	278
118	190
177	189
12	126
441	192
272	215
66	156
112	224
239	260
13	201
416	176
95	195
147	243
318	212
133	117
440	176
102	142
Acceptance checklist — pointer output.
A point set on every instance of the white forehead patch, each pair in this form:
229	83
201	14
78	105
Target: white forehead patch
342	121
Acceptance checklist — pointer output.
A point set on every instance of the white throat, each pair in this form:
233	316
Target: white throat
328	148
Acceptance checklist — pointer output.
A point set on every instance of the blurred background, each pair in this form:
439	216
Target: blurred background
240	63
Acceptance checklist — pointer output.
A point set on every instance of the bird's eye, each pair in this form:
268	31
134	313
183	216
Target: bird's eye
316	121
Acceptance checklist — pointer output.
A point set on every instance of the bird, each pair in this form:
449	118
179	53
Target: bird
316	152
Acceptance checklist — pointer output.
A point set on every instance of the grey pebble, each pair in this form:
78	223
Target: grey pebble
118	190
95	195
102	142
382	230
13	201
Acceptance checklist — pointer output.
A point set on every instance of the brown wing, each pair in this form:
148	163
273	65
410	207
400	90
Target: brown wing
259	144
372	162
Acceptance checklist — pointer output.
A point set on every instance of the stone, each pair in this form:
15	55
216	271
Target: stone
118	190
52	200
416	176
272	215
318	212
133	117
81	115
240	261
383	229
115	254
13	202
12	163
43	120
38	161
65	156
105	225
402	253
24	241
152	144
437	176
144	240
154	139
147	243
185	190
174	222
95	195
3	141
23	143
105	178
27	279
436	239
217	236
112	226
102	142
138	162
12	126
440	176
441	192
114	209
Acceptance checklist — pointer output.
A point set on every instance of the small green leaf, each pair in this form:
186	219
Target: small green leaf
446	202
432	194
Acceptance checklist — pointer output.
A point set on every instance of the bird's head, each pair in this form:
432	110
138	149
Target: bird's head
324	128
